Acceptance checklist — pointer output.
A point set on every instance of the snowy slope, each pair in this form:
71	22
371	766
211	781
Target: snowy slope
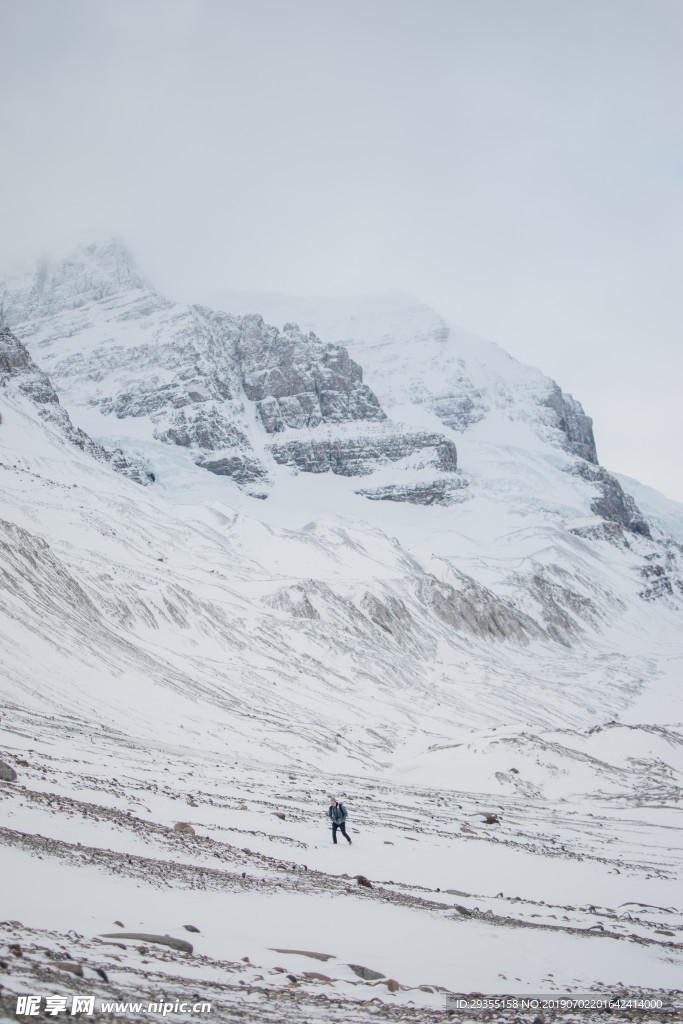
188	652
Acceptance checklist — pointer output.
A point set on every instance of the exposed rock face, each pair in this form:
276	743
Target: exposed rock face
18	370
297	381
663	572
474	609
443	491
554	604
7	774
359	456
613	504
243	468
574	424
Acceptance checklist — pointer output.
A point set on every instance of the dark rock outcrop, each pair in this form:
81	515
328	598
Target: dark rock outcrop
297	381
437	492
359	456
574	424
366	973
612	503
7	774
244	468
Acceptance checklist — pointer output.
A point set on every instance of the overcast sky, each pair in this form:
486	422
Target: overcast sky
516	163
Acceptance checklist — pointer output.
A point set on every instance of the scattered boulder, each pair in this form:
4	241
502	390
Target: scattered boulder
490	818
470	831
190	928
362	880
279	814
161	940
64	965
184	827
7	774
456	892
366	973
120	924
315	976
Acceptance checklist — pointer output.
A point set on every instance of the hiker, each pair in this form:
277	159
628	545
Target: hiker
336	812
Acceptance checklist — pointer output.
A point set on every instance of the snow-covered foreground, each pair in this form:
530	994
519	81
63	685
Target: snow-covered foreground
575	897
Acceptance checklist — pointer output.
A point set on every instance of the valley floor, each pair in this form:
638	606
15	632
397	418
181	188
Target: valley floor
431	900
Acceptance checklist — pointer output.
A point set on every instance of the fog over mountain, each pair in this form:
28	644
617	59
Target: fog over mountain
515	166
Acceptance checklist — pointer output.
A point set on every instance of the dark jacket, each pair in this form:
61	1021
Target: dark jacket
337	815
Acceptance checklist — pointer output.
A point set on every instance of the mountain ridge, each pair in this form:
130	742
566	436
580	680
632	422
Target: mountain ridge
236	368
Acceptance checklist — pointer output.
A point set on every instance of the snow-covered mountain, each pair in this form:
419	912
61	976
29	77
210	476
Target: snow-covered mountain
361	551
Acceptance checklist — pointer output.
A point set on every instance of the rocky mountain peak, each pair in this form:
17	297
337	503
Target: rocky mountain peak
94	271
217	384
